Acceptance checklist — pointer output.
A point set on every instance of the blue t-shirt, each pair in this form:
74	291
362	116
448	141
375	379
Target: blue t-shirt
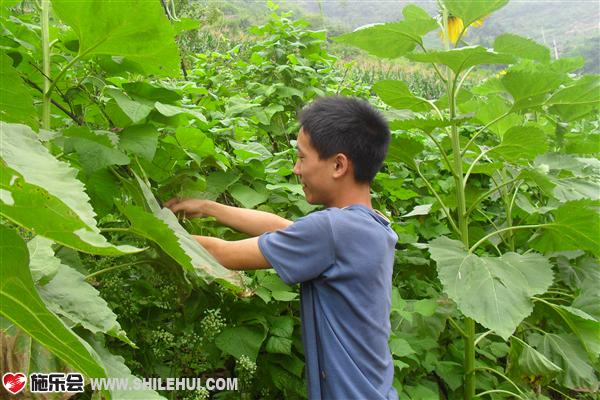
343	259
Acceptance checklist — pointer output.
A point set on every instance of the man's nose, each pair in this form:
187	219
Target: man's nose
297	168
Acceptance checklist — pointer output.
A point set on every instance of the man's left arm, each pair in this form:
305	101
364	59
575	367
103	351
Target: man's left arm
238	254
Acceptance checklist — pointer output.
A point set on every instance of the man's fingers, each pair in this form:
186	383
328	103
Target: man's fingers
171	202
177	207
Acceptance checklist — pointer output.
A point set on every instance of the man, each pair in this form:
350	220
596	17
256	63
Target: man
342	256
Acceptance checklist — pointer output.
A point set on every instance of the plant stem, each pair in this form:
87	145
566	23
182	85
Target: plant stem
483	335
500	374
464	77
498	391
457	327
437	70
491	222
60	107
469	338
482	129
486	237
115	230
469	367
114	267
486	194
561	393
46	63
560	293
442	204
61	73
441	149
509	219
483	153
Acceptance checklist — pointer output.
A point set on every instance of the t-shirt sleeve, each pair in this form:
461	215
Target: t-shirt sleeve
303	250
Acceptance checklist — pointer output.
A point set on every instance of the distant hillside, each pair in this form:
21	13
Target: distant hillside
570	27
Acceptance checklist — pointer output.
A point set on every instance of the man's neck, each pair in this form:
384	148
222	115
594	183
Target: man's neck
353	195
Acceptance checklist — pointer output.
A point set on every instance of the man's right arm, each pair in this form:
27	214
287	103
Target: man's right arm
251	222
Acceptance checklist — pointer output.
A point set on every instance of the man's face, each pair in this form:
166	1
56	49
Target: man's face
314	173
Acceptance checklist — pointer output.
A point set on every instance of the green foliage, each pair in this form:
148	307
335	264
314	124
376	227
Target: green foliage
488	157
393	39
44	187
508	282
22	305
482	169
135	30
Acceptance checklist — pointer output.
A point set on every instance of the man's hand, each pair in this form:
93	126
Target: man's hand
251	222
190	207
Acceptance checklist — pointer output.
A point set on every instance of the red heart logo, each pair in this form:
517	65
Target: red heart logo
14	383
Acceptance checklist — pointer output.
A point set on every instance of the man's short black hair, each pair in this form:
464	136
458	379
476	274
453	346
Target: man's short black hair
350	126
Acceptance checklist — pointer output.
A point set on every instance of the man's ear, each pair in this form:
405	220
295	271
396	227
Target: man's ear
341	165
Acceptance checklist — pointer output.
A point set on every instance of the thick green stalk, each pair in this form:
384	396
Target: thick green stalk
463	223
46	63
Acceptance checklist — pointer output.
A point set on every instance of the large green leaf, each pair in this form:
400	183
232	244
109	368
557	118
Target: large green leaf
279	345
575	226
16	101
585	327
494	291
565	352
42	194
397	94
250	151
281	326
393	39
246	196
565	177
470	11
521	143
463	58
42	263
136	29
404	150
493	109
589	298
521	47
576	100
21	304
585	90
196	141
148	93
178	243
532	362
242	341
69	295
96	150
140	140
115	368
169	110
103	187
529	88
423	124
135	110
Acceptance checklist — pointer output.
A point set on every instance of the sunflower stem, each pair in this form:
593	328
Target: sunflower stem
46	63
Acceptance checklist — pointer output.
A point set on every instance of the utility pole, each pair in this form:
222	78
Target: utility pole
555	48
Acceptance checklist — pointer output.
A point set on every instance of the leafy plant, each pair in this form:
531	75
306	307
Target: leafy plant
493	186
493	140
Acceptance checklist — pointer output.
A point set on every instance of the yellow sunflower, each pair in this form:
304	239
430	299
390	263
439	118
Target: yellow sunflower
456	26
